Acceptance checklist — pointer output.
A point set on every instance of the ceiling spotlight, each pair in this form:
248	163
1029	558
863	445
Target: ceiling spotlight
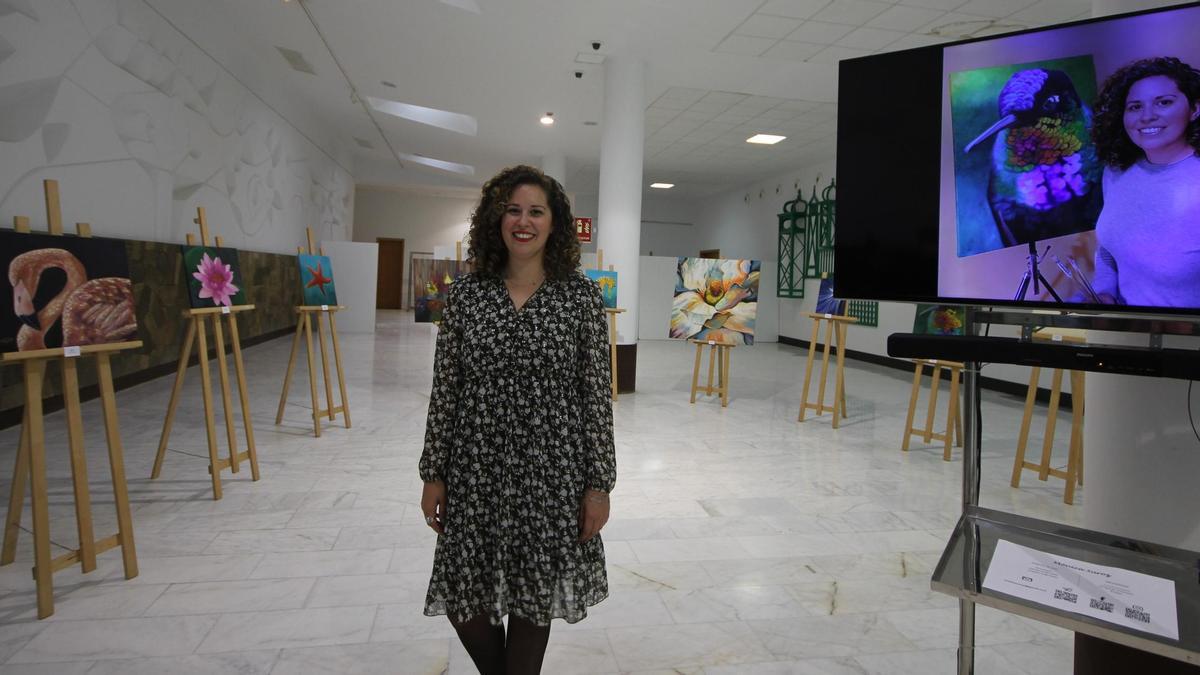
547	119
765	139
662	186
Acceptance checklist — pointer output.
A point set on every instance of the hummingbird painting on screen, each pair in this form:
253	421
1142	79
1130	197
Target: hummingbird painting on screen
1044	178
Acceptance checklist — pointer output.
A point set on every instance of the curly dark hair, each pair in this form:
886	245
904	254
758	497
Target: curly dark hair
487	248
1113	145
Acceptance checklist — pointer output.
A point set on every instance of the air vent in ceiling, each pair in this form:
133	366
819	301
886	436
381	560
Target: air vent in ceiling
296	60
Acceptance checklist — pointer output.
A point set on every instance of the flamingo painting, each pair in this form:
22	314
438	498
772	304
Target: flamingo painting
55	303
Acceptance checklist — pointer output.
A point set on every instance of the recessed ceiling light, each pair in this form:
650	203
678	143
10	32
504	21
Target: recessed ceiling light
454	167
662	186
765	139
547	119
442	119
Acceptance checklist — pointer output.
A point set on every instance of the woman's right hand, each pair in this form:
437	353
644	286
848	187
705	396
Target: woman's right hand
433	505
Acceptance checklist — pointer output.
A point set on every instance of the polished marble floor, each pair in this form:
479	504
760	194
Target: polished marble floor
740	542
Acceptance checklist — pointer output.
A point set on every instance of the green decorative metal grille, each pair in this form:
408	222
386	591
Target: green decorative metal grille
866	311
806	248
791	248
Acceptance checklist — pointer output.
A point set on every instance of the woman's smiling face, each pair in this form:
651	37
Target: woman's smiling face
1157	114
525	225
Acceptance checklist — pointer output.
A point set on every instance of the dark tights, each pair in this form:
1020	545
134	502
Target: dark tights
520	655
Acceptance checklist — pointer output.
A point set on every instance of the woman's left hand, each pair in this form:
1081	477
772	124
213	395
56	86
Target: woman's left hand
593	513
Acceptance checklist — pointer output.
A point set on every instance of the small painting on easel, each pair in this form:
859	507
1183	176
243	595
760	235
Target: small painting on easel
316	280
715	299
826	303
938	320
213	277
430	283
63	291
608	286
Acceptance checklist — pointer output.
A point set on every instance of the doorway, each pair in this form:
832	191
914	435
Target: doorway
390	285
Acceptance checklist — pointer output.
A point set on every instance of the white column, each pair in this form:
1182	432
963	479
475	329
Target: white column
619	215
555	166
1141	458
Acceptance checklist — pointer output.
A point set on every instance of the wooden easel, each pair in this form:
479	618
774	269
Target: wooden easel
612	313
718	352
304	314
31	451
1073	474
954	432
195	332
835	331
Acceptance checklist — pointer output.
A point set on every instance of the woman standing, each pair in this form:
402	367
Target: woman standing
518	459
1147	132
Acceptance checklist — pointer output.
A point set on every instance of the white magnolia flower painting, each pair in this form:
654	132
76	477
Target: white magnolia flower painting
715	300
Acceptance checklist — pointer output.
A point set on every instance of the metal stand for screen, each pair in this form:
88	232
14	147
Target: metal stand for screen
969	551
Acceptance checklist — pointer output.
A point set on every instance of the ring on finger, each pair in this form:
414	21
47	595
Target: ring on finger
428	520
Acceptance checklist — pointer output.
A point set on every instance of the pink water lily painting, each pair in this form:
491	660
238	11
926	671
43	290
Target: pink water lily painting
715	300
213	277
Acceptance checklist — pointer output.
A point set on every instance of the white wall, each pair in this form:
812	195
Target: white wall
668	224
423	219
355	268
140	127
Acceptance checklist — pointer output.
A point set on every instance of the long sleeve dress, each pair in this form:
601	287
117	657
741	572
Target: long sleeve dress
520	424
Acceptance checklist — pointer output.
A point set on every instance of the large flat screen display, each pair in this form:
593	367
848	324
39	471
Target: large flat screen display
1055	167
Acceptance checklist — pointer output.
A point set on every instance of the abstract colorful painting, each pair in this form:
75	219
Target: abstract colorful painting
608	286
213	276
1025	168
826	303
938	320
61	291
715	300
316	280
431	280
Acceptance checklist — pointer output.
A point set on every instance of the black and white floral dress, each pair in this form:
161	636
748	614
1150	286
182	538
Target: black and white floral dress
520	424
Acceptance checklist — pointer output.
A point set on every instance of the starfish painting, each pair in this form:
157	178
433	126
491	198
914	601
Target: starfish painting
318	279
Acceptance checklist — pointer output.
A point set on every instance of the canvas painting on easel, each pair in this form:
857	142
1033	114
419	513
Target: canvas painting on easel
316	280
61	291
431	282
213	277
826	303
715	300
608	286
938	320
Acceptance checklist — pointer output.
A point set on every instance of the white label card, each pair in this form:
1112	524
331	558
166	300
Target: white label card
224	309
1056	338
828	316
1128	599
324	308
71	352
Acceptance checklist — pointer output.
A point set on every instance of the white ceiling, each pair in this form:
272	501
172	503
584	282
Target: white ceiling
718	71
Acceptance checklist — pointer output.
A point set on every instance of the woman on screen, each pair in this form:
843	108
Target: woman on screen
1147	134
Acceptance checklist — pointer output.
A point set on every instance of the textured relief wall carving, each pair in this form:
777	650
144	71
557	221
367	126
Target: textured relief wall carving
141	127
